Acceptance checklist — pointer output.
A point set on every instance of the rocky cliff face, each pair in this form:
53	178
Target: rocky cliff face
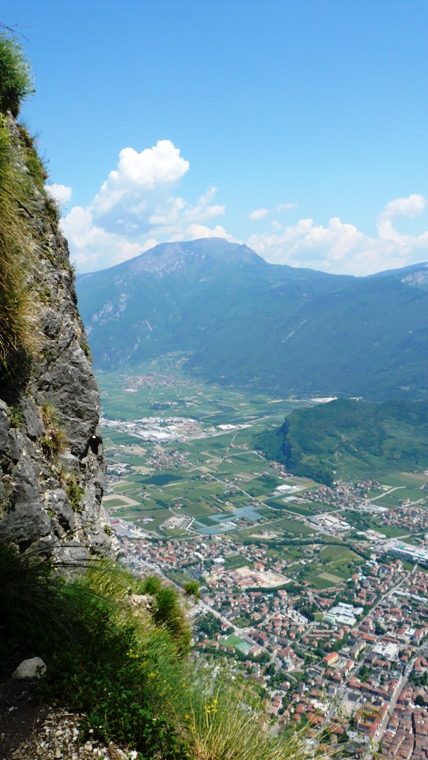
51	452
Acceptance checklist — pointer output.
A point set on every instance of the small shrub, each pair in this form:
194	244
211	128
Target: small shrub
69	482
150	585
33	162
45	295
102	659
167	611
55	440
15	415
15	75
191	588
85	348
14	295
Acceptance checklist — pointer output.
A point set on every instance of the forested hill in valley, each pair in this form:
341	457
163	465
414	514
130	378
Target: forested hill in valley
245	322
350	439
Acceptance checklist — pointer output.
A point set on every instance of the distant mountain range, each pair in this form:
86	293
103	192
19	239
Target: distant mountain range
245	322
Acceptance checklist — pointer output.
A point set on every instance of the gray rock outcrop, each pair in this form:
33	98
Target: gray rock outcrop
51	451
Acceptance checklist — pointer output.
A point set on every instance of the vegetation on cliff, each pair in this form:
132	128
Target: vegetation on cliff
16	81
51	455
116	649
18	334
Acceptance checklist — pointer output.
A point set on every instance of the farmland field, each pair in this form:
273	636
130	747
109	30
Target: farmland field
179	449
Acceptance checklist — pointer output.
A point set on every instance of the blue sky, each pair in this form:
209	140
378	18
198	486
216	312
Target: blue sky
297	126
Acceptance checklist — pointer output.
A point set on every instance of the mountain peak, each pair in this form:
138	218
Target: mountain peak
167	258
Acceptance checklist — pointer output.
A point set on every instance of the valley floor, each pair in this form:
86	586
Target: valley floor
316	594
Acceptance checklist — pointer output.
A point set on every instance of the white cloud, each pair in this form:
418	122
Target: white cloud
150	243
259	213
195	231
204	209
136	206
61	193
160	165
281	207
262	213
341	248
92	246
137	194
412	206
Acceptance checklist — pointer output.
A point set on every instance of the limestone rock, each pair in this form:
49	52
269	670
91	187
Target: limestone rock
33	668
51	452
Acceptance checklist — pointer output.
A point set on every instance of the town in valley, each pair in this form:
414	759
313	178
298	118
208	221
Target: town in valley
316	594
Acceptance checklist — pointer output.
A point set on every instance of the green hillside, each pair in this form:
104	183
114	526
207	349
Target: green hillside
350	439
245	322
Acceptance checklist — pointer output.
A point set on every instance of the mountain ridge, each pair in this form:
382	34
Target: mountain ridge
242	321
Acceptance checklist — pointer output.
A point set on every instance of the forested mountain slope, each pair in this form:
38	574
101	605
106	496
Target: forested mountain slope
350	439
243	321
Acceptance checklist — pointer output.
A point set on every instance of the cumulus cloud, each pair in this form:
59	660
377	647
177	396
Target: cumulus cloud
60	193
195	231
341	248
259	213
281	207
262	213
138	191
136	206
410	207
150	243
91	245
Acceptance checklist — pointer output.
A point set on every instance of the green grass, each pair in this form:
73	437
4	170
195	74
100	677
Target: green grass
236	643
235	561
163	479
396	497
125	669
114	503
333	551
180	577
199	509
16	331
300	509
405	479
291	527
321	583
390	531
102	657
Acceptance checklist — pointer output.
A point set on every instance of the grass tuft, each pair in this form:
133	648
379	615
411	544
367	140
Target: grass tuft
54	442
108	657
